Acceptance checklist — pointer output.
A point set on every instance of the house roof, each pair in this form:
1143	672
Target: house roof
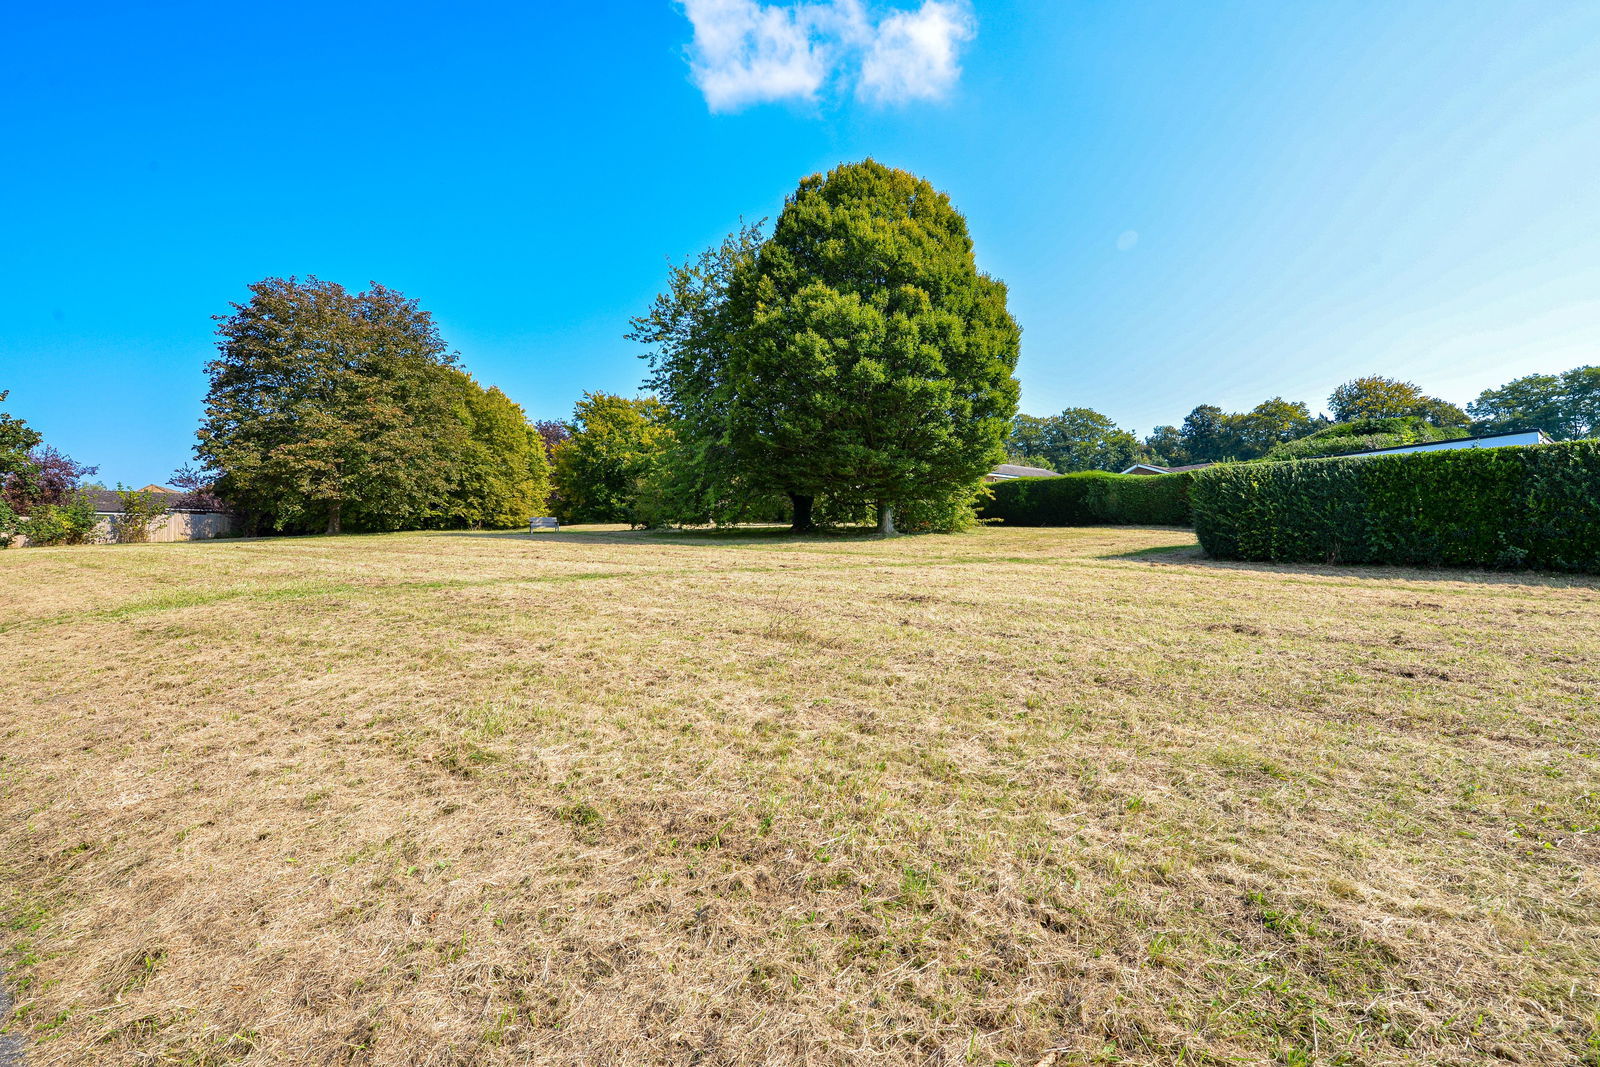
1016	470
107	502
1166	470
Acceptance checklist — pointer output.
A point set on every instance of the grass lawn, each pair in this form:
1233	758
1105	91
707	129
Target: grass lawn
618	799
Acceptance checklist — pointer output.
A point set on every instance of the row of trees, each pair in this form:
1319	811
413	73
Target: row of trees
852	365
1566	406
331	409
853	362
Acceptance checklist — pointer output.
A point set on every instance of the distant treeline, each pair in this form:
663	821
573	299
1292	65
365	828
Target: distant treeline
1367	412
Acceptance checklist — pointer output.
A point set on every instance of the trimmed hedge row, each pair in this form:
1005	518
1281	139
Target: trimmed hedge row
1092	498
1511	507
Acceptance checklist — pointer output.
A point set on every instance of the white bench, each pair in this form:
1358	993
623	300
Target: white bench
543	523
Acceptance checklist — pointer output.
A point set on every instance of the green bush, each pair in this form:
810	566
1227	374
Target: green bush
1092	498
1364	435
140	511
1511	507
71	523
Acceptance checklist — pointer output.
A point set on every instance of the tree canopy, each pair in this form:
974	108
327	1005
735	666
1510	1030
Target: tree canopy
329	407
1078	439
871	357
1566	406
690	329
17	441
501	474
615	444
1210	435
33	475
1376	397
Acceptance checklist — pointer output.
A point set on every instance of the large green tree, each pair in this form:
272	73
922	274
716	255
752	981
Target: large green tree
1376	397
1078	439
17	441
872	358
1271	423
331	407
1566	406
501	473
616	444
1210	434
690	331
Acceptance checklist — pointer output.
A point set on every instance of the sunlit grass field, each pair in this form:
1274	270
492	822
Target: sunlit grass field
612	798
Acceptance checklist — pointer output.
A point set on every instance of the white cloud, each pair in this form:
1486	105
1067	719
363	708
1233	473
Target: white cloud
747	52
913	56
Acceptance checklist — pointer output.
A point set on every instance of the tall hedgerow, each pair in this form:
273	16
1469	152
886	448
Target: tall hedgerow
1532	506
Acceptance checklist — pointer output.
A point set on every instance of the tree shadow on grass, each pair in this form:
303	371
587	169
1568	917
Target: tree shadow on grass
726	535
1192	555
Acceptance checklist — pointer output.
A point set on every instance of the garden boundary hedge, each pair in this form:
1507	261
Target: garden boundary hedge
1530	506
1092	498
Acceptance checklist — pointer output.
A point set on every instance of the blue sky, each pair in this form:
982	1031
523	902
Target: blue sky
1191	203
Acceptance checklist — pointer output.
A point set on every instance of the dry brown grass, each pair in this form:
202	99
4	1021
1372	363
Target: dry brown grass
629	799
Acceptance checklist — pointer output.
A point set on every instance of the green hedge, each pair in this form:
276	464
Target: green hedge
1510	507
1092	498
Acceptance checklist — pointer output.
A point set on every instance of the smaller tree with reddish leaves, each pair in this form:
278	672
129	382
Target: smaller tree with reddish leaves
553	433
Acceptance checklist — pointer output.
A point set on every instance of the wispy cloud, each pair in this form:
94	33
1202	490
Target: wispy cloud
747	52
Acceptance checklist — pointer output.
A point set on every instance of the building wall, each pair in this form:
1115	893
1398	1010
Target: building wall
192	526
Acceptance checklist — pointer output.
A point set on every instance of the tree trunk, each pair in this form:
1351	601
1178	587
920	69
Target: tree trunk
802	513
333	516
886	519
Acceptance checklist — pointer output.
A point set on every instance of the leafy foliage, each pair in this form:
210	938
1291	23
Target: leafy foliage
1376	397
500	475
33	473
1532	506
1092	498
326	406
70	522
616	445
552	432
1566	406
198	487
140	510
17	439
690	330
335	408
871	357
1363	435
48	477
1211	435
1078	439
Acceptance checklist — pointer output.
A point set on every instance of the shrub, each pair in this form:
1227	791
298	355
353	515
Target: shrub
1531	506
952	512
140	510
8	524
1363	435
1092	498
72	522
